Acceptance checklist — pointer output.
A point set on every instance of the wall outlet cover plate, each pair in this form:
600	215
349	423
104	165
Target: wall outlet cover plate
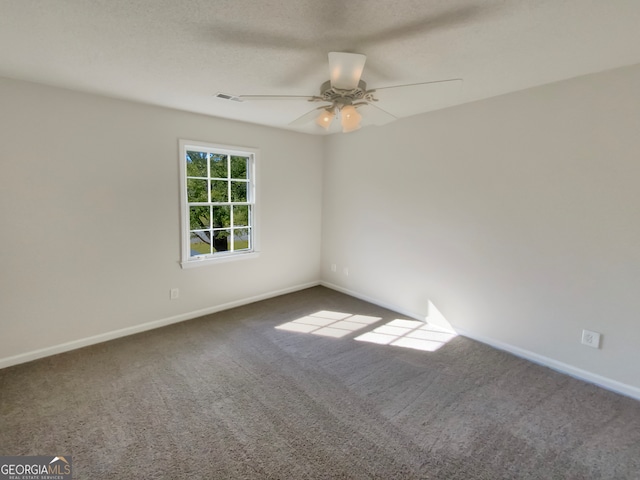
591	339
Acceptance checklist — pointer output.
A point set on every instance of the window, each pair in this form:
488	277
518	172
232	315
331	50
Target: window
218	202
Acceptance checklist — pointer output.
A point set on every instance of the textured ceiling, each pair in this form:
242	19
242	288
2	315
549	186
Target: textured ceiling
179	54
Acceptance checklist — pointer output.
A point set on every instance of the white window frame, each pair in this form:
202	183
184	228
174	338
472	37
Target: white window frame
187	260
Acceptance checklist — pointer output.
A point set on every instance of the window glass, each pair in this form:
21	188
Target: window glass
217	201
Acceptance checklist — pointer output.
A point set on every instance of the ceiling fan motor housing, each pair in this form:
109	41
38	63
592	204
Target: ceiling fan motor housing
339	97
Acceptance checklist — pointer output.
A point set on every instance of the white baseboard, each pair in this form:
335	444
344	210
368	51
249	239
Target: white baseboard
599	380
604	382
103	337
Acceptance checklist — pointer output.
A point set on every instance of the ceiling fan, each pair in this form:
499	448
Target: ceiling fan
345	96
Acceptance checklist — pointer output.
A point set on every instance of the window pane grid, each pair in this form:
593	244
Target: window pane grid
220	217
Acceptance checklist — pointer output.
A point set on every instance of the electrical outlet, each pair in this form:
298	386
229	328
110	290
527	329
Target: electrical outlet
345	270
175	293
334	267
591	339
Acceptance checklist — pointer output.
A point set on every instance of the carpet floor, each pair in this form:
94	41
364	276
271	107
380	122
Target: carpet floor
286	388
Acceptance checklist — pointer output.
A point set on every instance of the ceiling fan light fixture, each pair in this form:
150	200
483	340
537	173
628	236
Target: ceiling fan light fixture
345	69
350	119
326	117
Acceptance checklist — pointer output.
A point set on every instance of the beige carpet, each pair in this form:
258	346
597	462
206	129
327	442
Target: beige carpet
230	396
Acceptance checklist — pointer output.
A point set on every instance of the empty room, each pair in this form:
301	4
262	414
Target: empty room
289	240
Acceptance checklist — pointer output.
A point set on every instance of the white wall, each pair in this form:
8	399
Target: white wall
89	217
518	217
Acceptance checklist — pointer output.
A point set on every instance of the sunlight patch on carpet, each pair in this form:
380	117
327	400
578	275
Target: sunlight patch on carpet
399	332
409	334
329	324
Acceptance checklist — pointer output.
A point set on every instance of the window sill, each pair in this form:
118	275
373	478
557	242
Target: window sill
221	259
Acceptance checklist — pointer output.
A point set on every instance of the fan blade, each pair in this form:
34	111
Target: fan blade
374	115
415	98
345	69
277	97
417	84
307	117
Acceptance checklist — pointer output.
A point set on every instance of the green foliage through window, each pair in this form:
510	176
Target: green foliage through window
219	198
